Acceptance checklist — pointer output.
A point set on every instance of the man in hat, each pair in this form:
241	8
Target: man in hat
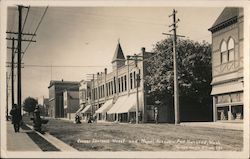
16	117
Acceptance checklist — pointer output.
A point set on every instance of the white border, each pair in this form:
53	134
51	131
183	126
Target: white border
141	154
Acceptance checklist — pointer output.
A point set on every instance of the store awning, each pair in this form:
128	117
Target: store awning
86	109
235	87
105	107
130	104
80	109
120	101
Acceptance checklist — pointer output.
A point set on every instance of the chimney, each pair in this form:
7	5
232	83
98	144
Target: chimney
62	79
105	70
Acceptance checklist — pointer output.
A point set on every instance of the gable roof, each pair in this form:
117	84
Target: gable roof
228	16
118	53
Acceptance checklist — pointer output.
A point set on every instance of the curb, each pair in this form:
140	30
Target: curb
221	126
54	141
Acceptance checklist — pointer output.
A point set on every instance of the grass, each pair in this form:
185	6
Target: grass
144	137
43	144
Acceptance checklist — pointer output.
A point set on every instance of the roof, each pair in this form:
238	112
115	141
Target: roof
118	53
228	16
63	82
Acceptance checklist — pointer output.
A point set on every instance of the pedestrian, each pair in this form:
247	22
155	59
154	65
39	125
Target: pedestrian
37	120
156	115
16	117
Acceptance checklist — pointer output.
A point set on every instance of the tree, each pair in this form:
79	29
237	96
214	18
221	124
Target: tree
29	104
194	77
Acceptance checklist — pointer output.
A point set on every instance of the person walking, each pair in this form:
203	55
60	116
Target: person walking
156	115
16	117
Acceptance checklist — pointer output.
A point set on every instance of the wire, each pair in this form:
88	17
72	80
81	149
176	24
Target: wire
35	30
27	13
61	66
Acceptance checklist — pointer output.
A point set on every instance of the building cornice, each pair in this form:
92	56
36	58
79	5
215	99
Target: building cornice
224	24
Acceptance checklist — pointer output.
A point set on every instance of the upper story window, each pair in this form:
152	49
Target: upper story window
227	51
223	51
230	49
125	82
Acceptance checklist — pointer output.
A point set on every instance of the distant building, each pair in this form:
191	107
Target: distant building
227	65
56	89
113	95
84	98
71	103
46	106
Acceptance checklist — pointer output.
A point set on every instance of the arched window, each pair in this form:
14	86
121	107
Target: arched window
223	51
231	49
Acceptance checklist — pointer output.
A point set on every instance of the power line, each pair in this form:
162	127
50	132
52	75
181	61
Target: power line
27	13
62	66
36	30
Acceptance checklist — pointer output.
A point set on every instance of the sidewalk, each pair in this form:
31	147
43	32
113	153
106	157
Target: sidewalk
221	125
19	141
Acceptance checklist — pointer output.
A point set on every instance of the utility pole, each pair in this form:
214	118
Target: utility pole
12	73
19	87
176	84
7	97
136	58
19	53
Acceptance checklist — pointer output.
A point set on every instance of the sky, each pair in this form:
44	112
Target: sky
86	38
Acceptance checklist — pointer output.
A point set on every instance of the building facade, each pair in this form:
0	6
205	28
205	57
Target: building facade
227	65
71	103
114	95
56	102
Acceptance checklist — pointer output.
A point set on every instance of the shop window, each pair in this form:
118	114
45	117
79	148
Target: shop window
223	99
222	113
235	97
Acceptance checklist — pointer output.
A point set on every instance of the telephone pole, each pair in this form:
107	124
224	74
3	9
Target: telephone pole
12	73
19	48
19	53
7	97
176	85
136	58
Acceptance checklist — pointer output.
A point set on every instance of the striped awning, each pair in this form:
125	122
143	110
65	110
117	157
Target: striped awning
86	109
130	104
119	103
105	107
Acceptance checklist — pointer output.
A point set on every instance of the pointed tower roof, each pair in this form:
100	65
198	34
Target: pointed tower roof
118	53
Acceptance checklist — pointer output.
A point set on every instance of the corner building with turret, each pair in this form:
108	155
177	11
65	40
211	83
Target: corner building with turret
114	95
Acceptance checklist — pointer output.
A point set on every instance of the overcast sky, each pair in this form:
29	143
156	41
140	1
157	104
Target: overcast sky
87	36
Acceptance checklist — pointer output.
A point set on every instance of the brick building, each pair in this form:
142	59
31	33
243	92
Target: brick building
71	103
114	94
227	65
56	102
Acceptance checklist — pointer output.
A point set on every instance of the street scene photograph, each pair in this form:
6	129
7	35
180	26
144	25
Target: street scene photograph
123	79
